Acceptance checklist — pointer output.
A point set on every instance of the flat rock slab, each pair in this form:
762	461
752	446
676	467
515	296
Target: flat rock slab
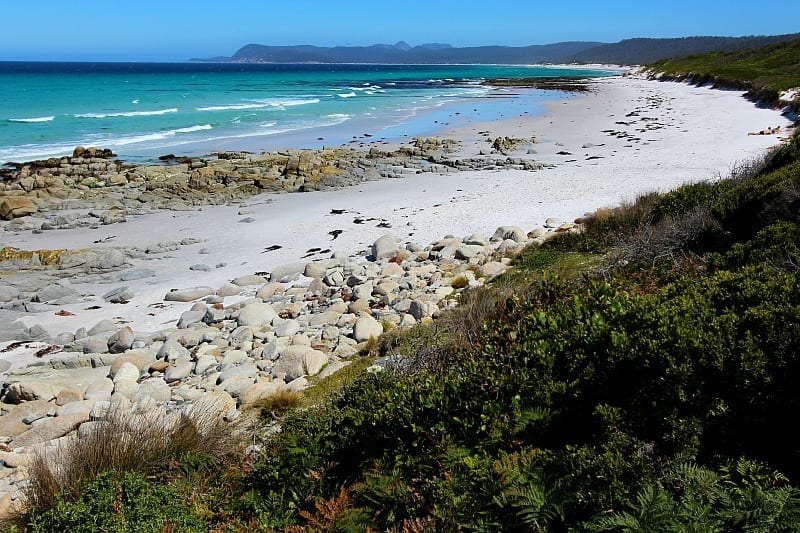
119	295
56	293
8	293
48	429
14	207
252	279
188	295
134	274
11	423
93	260
44	383
287	270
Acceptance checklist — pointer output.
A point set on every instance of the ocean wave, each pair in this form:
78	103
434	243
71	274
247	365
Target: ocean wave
346	95
337	118
275	103
158	136
265	129
232	107
367	87
176	141
29	152
127	113
163	139
289	102
190	129
32	120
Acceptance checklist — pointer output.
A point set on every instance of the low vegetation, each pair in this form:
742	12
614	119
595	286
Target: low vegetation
639	376
765	72
134	471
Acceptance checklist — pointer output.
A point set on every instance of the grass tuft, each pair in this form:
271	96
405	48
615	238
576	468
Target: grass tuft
278	403
126	441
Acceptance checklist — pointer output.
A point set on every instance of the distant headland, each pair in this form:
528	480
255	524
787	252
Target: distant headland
625	52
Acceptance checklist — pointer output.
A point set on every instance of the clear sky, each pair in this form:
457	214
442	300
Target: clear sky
170	30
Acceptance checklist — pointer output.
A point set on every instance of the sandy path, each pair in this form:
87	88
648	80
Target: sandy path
676	134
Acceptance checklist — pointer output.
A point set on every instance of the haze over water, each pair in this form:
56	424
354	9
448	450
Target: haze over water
143	110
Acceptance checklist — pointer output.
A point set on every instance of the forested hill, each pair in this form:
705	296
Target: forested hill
641	51
404	54
626	52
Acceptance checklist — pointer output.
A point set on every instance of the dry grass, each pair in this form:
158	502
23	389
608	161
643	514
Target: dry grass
459	282
669	238
278	403
626	217
126	441
432	346
465	325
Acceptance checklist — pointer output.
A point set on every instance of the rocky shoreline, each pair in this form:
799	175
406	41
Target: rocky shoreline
93	179
236	343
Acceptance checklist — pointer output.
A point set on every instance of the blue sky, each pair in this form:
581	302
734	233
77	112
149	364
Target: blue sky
166	30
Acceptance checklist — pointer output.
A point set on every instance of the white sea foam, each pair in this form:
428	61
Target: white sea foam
268	129
32	120
136	139
347	95
28	152
190	129
232	107
127	113
273	103
290	102
135	101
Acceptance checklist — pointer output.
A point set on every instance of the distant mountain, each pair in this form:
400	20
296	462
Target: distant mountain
402	53
640	51
627	52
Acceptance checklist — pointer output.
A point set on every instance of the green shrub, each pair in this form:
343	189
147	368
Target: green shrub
120	503
599	391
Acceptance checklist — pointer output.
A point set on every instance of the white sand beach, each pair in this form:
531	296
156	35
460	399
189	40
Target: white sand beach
629	136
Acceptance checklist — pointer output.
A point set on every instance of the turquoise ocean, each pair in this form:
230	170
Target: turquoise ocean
144	110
